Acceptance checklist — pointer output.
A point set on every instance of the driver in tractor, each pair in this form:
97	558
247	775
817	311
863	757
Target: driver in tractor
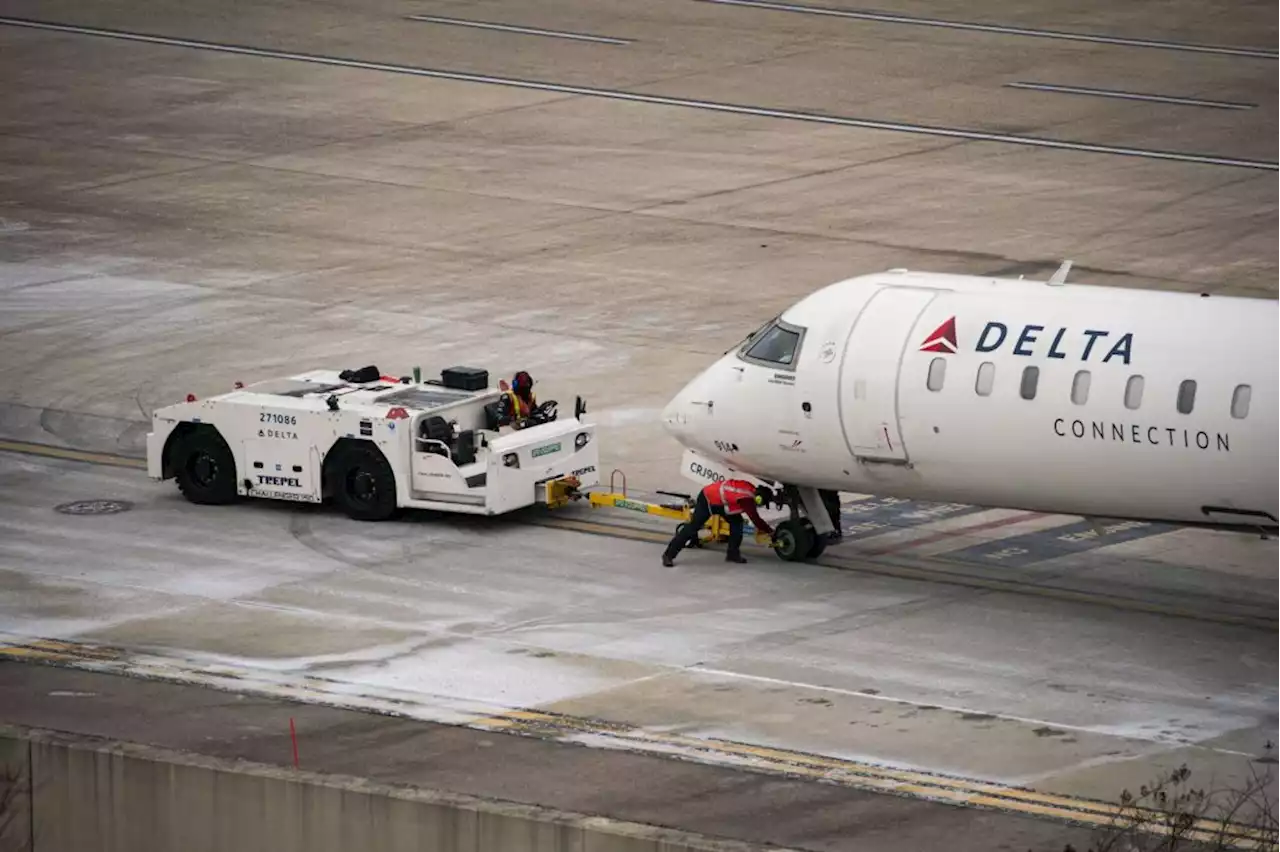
517	401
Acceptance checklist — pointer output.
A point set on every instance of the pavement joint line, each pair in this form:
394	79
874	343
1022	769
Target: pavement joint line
879	567
969	135
1002	29
515	28
1126	95
939	787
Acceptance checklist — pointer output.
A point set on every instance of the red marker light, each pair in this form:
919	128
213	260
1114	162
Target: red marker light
191	397
397	413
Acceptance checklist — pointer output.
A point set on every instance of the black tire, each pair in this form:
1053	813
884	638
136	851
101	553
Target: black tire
819	541
364	486
205	468
795	541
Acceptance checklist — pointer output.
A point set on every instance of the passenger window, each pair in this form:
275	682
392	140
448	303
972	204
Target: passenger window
986	377
1080	388
1186	396
937	373
1240	401
1133	392
777	345
1030	378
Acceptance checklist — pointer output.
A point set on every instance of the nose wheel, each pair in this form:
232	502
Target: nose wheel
798	540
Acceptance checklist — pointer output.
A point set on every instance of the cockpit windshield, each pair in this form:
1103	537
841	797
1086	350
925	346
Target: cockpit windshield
775	344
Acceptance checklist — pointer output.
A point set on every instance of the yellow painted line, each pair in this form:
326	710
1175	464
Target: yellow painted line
786	756
50	451
54	649
850	773
856	773
30	653
847	773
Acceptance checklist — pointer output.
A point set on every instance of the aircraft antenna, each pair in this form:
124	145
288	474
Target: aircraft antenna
1060	277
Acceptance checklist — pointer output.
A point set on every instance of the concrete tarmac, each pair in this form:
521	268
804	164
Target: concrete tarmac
787	812
190	198
176	218
513	624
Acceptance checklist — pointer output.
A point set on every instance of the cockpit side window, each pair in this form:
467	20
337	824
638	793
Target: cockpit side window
775	345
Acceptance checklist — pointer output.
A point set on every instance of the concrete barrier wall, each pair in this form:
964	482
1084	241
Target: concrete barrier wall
82	794
15	794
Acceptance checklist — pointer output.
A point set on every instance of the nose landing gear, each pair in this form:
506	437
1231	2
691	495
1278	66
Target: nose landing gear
798	541
800	537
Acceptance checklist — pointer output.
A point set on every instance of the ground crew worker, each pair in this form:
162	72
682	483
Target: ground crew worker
518	401
729	498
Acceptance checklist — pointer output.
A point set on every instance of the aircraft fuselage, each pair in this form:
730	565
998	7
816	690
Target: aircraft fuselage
1070	399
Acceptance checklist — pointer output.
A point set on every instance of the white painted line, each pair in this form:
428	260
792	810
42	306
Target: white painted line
1257	53
510	28
1133	96
635	97
1136	734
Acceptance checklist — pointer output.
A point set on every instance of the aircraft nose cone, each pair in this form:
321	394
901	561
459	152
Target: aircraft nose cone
676	416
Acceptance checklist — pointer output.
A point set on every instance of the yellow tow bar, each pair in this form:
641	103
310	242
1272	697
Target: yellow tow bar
715	530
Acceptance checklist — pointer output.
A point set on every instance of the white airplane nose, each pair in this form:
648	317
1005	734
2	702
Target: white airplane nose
685	417
680	416
675	416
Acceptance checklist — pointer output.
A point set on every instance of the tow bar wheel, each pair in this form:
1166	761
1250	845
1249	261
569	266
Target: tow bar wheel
795	541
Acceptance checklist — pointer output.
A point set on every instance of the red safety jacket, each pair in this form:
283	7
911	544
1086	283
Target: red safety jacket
738	497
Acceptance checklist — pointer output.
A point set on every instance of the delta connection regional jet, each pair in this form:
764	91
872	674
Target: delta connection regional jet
1044	396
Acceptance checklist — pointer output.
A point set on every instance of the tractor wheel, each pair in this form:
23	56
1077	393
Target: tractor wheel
205	468
364	485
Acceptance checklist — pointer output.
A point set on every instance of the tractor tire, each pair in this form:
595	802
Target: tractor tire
364	486
205	468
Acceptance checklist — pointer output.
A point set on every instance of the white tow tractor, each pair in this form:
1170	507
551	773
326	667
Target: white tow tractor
373	444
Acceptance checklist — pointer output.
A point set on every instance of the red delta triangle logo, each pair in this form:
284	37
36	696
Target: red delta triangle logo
943	338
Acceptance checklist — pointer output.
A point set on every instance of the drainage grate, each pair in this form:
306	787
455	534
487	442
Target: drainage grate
94	507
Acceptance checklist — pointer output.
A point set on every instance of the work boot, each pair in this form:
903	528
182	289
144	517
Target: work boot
667	561
737	557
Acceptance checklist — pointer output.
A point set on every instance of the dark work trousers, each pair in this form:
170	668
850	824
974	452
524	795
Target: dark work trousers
702	512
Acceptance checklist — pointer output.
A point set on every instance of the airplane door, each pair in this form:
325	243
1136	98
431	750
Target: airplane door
869	373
